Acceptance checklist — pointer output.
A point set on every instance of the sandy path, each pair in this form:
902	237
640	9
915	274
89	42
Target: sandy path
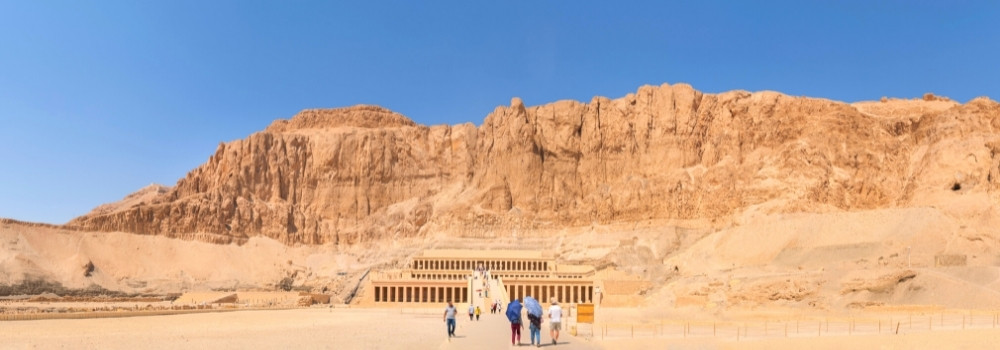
272	329
390	329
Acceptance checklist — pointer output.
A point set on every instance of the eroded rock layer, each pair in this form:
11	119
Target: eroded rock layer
365	173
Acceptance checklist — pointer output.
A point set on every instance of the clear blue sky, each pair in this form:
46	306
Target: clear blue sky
100	98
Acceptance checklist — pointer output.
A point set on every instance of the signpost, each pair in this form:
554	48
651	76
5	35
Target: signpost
585	313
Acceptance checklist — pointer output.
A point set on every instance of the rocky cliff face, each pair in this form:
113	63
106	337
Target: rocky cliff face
365	173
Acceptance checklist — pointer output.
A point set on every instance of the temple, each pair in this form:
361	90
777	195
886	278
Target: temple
479	277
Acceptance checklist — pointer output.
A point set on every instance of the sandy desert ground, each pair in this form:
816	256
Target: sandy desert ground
339	328
830	262
969	339
316	328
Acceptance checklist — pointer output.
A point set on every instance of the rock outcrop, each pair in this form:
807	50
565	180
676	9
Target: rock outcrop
364	173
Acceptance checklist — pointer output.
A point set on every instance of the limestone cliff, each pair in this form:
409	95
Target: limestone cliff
365	173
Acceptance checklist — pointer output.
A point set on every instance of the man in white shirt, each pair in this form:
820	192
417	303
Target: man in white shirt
555	320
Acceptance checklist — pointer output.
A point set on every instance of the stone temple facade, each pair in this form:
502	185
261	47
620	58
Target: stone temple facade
481	277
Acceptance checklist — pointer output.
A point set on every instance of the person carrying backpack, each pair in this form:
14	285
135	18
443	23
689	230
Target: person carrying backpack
535	328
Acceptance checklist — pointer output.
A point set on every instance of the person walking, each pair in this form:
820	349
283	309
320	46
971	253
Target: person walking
535	328
555	320
514	316
477	313
472	311
449	319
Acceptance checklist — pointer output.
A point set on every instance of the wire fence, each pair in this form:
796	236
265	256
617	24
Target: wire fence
812	327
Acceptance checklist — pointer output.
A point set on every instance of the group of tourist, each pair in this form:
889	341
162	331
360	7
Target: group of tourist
535	323
482	276
497	307
483	271
516	321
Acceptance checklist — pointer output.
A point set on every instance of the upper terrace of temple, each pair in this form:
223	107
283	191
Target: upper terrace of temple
500	263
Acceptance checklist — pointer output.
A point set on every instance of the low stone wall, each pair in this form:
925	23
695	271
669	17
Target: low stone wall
951	260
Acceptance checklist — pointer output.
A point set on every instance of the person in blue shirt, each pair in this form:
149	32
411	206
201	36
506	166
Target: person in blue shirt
449	319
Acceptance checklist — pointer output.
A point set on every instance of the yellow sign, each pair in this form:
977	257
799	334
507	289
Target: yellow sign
585	313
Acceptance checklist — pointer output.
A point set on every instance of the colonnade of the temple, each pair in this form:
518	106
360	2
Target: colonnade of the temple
421	294
445	275
442	276
544	292
472	264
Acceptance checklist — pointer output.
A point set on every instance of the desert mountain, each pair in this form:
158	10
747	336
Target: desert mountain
711	201
365	173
